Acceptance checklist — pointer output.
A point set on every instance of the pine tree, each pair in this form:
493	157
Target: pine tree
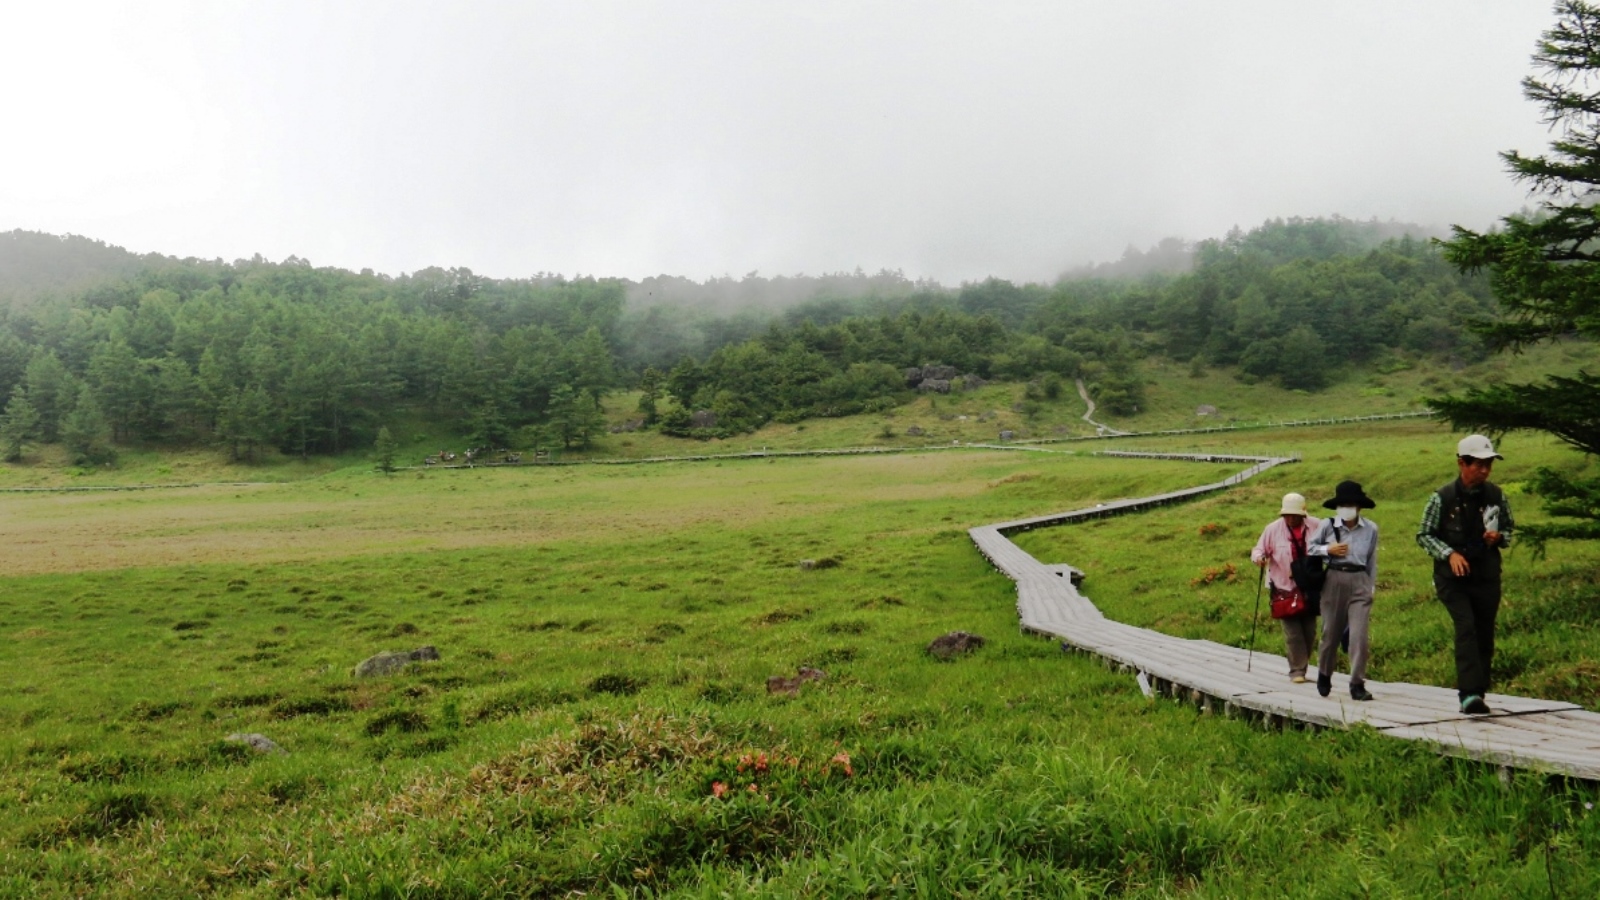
86	432
489	428
51	390
17	425
589	418
650	395
387	448
1545	272
246	421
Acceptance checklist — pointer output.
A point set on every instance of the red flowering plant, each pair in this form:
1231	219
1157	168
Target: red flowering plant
773	776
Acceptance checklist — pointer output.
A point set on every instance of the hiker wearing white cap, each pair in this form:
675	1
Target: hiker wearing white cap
1464	525
1283	542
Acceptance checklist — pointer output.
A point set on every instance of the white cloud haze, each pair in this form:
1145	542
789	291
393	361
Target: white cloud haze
950	140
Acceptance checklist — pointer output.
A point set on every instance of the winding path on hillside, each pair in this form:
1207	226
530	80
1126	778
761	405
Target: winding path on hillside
1543	735
1100	427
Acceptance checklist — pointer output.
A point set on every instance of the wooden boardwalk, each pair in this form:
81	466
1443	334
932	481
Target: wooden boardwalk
1542	735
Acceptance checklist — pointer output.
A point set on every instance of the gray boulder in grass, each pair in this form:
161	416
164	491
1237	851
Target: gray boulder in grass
260	743
390	663
954	644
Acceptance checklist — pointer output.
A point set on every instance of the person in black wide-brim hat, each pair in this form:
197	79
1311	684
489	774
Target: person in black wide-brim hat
1349	493
1349	540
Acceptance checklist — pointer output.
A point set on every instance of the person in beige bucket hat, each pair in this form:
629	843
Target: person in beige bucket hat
1282	542
1464	525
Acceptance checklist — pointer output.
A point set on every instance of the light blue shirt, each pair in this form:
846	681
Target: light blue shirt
1363	541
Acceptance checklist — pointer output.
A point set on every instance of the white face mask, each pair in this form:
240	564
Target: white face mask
1347	513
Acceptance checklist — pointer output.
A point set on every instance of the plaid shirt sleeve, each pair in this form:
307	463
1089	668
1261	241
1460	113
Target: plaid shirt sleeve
1427	537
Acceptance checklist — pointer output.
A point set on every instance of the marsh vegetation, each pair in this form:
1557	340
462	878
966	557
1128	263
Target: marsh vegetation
599	721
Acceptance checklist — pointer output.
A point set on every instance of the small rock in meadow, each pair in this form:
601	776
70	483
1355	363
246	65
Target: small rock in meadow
390	663
783	684
260	743
1008	435
1205	409
914	431
807	565
956	643
780	684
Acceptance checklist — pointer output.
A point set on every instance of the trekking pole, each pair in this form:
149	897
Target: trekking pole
1250	658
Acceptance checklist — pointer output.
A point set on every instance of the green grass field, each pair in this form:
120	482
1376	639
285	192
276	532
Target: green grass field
1158	570
599	721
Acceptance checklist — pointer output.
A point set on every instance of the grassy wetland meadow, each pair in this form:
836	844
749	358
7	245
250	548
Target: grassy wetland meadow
598	723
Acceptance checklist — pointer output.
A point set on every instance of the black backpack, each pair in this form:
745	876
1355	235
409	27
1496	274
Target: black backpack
1310	573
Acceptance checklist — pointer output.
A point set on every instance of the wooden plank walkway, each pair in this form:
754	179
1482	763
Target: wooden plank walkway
1542	735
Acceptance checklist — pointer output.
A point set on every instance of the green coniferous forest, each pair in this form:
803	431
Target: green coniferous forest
101	348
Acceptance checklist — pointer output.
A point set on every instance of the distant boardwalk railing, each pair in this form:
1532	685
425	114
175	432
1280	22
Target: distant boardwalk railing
1017	444
137	487
1024	444
1526	733
1238	426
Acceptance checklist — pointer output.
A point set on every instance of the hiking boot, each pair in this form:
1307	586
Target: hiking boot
1298	679
1358	691
1324	684
1473	705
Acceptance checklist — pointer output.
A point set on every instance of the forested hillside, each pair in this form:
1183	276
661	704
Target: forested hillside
100	348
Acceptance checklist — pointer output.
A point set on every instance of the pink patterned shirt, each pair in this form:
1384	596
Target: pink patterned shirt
1276	549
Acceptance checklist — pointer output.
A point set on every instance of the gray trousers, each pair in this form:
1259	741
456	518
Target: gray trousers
1299	635
1346	601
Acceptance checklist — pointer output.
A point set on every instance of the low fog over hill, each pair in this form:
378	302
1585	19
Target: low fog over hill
100	347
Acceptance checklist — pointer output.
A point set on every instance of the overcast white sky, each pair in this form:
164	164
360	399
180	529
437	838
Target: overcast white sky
950	140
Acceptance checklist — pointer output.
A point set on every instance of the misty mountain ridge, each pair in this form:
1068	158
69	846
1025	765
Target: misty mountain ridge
1275	242
33	264
255	354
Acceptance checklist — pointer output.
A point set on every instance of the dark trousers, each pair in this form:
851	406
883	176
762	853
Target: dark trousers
1473	603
